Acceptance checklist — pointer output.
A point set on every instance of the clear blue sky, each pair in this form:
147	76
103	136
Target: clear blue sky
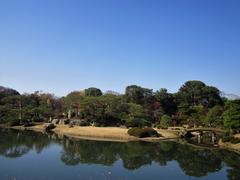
64	45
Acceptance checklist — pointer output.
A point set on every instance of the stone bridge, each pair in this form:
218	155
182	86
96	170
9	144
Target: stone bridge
200	131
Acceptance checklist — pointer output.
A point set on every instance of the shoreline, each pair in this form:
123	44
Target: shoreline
100	133
114	134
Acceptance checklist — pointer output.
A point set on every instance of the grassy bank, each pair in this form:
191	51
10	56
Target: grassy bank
105	133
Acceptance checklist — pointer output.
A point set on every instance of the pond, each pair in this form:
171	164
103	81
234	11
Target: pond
26	155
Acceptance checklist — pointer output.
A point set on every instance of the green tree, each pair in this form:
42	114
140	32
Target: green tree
231	115
93	92
4	92
165	121
137	94
136	116
72	102
166	101
194	93
214	116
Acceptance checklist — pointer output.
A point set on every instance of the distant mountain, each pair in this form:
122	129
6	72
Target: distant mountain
230	96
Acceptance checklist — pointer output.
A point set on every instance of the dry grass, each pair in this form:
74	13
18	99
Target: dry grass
110	133
95	132
227	145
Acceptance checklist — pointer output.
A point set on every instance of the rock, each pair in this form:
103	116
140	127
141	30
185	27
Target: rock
83	123
49	126
71	125
55	121
64	121
76	122
186	126
182	133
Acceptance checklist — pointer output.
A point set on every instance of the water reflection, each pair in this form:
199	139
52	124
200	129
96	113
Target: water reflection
193	161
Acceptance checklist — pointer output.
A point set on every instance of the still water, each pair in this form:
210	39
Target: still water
26	155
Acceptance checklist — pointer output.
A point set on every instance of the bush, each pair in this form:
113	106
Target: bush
137	122
165	121
143	132
159	126
84	123
28	124
228	137
15	122
235	140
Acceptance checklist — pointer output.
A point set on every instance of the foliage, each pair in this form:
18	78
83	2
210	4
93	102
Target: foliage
194	93
93	92
166	101
143	132
26	107
228	137
13	122
165	121
72	101
138	95
194	104
231	115
5	92
214	116
84	123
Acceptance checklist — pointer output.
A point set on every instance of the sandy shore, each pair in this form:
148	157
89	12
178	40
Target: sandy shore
101	133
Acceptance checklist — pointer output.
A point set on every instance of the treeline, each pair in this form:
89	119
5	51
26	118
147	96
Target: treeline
194	104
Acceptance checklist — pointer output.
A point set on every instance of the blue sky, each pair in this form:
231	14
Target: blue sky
64	45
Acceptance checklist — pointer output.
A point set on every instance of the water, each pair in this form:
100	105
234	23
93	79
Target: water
36	156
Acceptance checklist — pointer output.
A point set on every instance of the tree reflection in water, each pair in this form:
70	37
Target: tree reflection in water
193	161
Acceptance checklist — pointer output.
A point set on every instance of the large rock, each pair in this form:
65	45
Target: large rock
49	126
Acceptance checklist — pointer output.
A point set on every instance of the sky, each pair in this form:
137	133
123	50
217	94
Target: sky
59	46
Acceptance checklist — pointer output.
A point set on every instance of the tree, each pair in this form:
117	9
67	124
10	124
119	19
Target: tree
137	94
165	121
231	115
194	93
4	92
166	101
72	102
11	110
136	116
214	116
93	92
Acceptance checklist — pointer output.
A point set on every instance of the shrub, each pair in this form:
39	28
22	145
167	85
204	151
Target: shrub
228	137
84	123
15	122
143	132
28	124
235	140
165	121
96	124
159	126
137	122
